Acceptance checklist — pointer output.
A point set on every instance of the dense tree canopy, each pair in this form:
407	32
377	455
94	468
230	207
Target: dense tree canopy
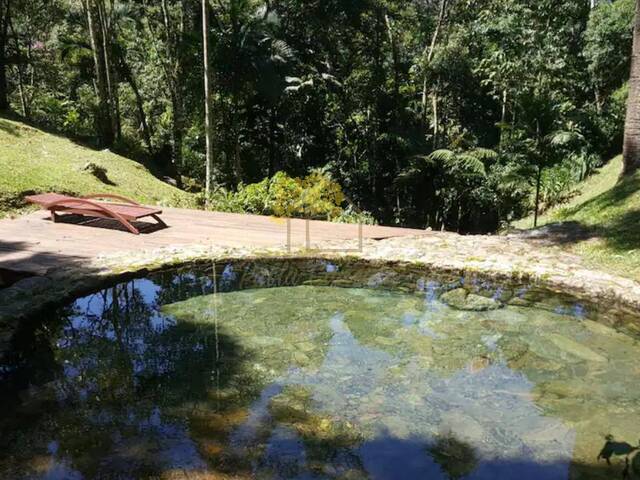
457	114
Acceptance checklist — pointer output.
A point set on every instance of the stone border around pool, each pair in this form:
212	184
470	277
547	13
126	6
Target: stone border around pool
490	258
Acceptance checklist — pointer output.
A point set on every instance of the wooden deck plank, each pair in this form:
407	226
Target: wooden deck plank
32	243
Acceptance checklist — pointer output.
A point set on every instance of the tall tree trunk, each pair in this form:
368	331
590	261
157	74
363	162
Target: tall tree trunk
112	85
274	164
128	76
23	98
146	129
395	55
537	200
503	114
176	130
4	30
598	99
429	52
207	99
105	126
631	149
436	119
503	117
172	67
19	71
237	36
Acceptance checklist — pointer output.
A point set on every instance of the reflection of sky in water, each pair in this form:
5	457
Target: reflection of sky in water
258	415
228	278
331	267
94	306
177	450
576	310
59	468
88	323
490	410
285	453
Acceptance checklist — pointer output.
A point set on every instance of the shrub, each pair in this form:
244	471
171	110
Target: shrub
97	171
351	215
315	196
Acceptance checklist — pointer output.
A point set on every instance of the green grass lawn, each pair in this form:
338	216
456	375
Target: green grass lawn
608	210
32	161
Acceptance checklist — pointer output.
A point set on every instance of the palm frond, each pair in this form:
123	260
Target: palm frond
442	155
561	138
282	49
484	154
469	163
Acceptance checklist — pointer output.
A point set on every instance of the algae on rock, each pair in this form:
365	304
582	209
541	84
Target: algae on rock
461	299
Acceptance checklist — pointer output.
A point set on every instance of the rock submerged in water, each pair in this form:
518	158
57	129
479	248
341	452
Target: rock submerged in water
574	348
292	405
293	408
461	299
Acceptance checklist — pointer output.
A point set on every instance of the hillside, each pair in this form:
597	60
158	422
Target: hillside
602	223
603	180
35	161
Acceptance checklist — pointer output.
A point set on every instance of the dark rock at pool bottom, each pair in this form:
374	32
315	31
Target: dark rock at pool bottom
461	299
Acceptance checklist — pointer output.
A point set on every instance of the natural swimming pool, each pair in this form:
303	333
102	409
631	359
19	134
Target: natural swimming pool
319	370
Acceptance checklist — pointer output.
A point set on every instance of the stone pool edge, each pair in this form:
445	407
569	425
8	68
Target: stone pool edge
34	295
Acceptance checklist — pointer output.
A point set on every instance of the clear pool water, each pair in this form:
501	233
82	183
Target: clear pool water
181	375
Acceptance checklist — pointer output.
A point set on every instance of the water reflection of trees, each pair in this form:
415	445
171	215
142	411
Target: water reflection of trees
107	365
127	352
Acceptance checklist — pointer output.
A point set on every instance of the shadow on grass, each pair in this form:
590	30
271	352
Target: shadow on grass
104	178
620	235
614	197
617	228
561	233
9	128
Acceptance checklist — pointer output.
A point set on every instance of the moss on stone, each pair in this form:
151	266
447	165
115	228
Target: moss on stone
461	299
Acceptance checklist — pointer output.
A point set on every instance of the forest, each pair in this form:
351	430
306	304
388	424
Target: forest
459	115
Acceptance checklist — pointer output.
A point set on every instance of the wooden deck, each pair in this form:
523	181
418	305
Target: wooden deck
32	243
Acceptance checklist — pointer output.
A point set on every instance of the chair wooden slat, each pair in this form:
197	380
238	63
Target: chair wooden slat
124	213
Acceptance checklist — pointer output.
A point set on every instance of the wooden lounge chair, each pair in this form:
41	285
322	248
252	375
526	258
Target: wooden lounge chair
89	206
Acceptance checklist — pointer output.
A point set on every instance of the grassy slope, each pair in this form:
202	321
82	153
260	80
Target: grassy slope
609	211
34	161
604	179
